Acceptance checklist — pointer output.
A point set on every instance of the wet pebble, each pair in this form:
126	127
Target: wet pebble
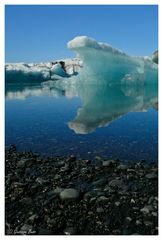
146	209
26	229
99	210
69	194
151	176
122	167
69	231
100	182
118	184
108	163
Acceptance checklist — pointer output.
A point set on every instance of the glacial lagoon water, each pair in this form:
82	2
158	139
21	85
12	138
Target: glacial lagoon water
87	121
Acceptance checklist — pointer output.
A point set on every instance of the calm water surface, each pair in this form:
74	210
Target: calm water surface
105	121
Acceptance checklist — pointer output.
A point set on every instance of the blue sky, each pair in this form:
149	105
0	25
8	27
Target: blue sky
35	33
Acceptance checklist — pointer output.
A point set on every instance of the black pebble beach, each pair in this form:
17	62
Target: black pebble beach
67	196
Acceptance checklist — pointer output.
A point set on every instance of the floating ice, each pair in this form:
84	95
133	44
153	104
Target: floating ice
33	72
109	64
95	61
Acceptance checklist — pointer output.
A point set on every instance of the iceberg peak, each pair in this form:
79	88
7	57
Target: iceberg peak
87	42
82	41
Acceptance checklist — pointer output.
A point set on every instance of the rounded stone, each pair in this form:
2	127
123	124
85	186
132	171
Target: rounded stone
108	163
151	176
122	167
69	231
146	209
22	163
115	183
99	210
69	194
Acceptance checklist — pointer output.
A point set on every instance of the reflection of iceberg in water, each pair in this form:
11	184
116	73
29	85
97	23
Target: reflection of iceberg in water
110	84
22	91
103	104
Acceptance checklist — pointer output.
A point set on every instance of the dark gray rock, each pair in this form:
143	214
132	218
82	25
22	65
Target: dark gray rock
146	209
132	201
99	210
100	182
41	180
117	204
122	167
138	222
69	231
26	200
108	163
148	223
131	171
102	199
154	214
118	184
151	176
69	194
51	194
22	163
26	229
92	200
57	191
72	158
57	177
32	218
43	231
128	219
89	195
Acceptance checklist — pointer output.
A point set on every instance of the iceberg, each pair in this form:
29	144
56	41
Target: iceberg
110	64
40	72
110	83
94	61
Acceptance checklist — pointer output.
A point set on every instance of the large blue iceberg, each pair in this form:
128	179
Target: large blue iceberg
94	61
109	64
